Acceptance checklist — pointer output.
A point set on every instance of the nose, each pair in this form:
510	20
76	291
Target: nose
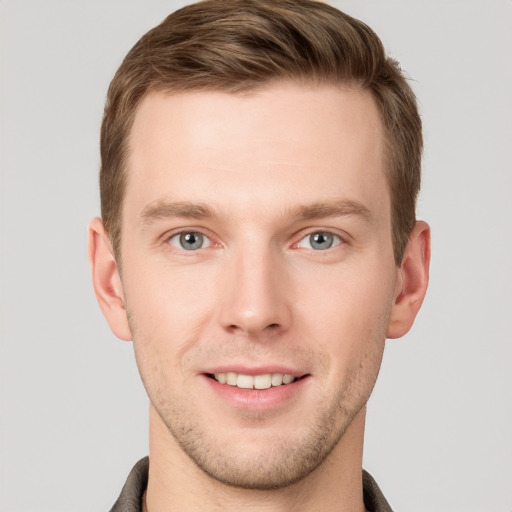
254	294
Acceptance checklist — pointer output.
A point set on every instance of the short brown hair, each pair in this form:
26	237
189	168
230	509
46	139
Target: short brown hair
238	45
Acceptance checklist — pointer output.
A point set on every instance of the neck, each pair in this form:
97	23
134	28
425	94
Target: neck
176	483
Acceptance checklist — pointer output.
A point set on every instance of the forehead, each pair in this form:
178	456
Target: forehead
281	144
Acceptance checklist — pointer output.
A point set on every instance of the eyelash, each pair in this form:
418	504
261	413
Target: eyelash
205	238
337	240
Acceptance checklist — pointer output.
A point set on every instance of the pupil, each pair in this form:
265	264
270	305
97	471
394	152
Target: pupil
321	241
191	240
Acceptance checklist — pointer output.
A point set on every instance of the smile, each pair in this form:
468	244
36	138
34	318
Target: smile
263	381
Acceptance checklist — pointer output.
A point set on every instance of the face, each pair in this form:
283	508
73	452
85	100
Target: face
258	272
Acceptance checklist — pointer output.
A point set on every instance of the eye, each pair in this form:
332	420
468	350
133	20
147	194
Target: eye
319	241
190	241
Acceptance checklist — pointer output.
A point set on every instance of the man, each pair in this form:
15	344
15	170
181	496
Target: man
258	243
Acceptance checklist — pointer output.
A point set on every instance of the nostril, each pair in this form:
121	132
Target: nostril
234	328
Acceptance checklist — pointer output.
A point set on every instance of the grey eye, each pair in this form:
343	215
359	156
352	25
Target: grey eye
320	241
189	241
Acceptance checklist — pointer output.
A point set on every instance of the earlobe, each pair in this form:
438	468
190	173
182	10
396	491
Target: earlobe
107	281
412	282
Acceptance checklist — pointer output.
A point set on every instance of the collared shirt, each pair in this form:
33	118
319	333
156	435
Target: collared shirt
131	496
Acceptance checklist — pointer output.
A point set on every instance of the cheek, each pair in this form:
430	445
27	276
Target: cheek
171	299
348	314
168	311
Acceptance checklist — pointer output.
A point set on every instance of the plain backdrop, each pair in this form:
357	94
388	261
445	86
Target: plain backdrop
73	414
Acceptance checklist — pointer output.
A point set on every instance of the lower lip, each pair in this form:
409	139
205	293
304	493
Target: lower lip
257	399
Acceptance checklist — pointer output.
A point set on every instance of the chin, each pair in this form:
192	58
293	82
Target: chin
265	461
276	468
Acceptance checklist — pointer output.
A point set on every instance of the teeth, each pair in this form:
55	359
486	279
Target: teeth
277	379
263	381
245	381
287	379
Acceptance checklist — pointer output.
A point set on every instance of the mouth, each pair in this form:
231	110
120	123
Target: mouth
262	381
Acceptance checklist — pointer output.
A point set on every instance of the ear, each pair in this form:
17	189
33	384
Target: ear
107	281
412	281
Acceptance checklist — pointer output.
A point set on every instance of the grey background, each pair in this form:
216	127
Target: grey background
73	416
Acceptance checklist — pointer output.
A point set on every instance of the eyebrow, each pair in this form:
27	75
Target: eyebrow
333	208
162	209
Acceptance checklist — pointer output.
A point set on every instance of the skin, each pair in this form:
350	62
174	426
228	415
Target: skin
257	174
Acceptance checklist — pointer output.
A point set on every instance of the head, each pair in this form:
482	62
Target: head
260	164
237	46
